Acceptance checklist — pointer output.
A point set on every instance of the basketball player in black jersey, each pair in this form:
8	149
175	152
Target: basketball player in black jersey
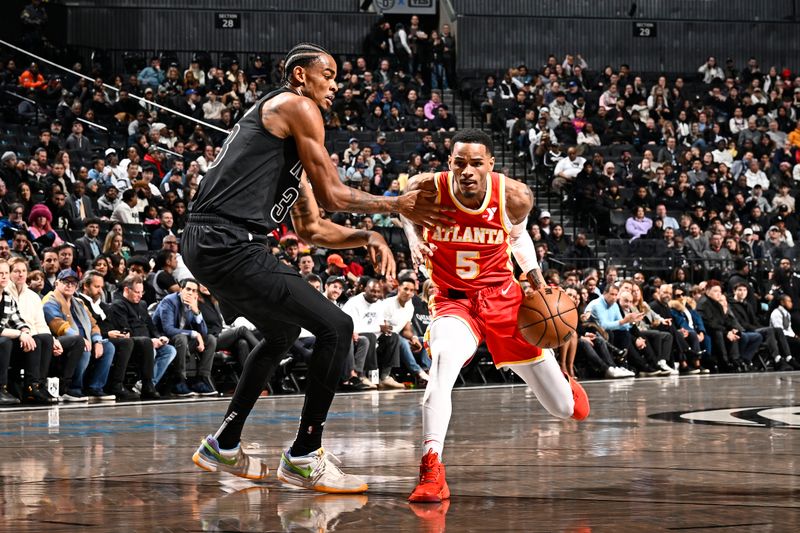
255	181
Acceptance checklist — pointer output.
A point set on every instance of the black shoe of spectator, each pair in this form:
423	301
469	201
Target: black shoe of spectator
354	384
287	387
124	395
7	398
783	366
794	362
34	393
150	393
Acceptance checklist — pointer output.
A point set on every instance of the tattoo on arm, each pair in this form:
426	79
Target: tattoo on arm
361	202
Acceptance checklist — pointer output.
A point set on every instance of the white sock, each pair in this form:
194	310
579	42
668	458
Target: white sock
452	344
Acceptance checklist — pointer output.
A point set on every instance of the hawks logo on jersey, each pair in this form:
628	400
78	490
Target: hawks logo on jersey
473	253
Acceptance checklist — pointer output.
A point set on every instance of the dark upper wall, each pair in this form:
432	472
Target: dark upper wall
267	25
342	6
494	35
711	10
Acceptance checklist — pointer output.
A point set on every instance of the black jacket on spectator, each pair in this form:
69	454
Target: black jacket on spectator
134	317
744	315
714	318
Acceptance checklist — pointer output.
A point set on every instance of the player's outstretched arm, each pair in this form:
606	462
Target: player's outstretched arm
305	124
416	242
311	227
519	202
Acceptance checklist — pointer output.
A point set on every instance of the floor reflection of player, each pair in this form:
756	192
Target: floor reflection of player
478	296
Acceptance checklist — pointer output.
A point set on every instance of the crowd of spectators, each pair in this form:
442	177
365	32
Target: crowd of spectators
94	218
94	188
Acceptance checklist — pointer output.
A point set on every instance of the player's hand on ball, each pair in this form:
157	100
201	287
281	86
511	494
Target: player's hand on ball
420	207
381	255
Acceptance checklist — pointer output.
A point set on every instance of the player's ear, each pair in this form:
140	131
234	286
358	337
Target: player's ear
491	163
299	73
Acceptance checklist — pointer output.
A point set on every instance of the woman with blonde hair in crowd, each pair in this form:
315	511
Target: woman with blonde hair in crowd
661	341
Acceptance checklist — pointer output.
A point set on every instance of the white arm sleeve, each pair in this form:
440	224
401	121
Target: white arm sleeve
522	247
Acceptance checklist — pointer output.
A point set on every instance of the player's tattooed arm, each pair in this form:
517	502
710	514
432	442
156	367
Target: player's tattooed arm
303	121
420	249
311	227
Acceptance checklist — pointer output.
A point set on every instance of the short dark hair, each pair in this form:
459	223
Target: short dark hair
91	220
87	277
473	136
407	279
182	283
741	284
302	55
140	260
312	277
128	195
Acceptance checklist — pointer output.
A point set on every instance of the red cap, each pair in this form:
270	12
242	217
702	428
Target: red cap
336	259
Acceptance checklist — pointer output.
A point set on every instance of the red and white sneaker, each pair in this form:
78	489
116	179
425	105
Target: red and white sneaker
581	409
432	486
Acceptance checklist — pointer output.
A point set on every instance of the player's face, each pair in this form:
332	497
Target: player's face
470	162
320	81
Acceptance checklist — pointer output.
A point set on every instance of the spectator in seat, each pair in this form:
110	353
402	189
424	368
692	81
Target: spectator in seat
164	280
129	314
354	378
397	313
16	338
40	230
366	310
124	211
164	229
92	286
67	315
717	258
567	169
89	246
728	345
178	317
774	338
638	224
781	318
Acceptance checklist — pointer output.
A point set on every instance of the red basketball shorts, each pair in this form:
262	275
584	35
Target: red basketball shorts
491	315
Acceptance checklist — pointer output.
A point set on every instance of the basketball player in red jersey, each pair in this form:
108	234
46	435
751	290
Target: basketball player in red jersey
478	296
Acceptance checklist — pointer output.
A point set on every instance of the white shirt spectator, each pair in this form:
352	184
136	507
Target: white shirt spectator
569	167
781	319
756	178
125	214
723	156
367	317
397	316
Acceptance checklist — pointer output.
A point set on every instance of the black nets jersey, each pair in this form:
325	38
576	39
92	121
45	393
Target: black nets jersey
255	178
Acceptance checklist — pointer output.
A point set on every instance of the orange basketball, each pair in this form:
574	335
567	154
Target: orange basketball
548	318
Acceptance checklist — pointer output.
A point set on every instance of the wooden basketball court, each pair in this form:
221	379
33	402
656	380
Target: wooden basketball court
699	453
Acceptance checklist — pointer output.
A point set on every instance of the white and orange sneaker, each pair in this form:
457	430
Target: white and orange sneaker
432	486
318	471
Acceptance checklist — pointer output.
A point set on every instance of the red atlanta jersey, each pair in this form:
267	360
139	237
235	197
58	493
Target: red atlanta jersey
474	253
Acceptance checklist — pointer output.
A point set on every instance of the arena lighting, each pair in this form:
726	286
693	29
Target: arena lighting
111	87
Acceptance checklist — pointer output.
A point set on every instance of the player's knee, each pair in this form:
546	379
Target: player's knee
335	329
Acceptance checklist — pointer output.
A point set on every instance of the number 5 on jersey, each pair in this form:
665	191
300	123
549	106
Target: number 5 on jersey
467	264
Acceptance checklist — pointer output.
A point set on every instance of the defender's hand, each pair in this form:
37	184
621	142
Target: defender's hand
381	255
421	208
